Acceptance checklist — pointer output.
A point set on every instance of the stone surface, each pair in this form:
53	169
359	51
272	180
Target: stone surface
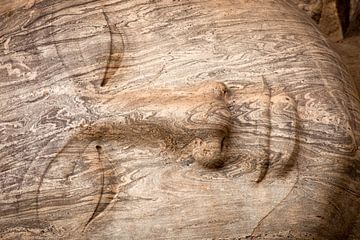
354	10
174	119
334	17
349	49
312	7
333	21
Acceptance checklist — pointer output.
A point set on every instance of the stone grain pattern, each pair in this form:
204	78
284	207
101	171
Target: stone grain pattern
174	120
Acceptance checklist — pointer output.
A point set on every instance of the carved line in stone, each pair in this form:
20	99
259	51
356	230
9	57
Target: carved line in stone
264	164
288	152
97	208
281	110
116	54
105	199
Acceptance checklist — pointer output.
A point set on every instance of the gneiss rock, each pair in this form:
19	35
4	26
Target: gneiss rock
174	120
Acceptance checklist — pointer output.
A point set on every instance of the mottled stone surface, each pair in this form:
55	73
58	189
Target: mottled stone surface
334	17
354	10
174	120
312	7
349	49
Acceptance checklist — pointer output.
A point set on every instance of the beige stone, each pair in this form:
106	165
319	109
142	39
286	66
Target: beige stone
174	120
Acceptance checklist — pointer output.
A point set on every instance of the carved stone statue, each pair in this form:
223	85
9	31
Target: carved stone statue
174	119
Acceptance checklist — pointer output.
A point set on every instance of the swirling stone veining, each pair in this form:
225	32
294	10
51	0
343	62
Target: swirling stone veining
174	119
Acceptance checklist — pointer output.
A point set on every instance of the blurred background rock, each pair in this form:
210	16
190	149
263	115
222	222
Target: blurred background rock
340	21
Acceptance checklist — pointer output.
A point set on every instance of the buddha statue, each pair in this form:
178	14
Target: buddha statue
174	119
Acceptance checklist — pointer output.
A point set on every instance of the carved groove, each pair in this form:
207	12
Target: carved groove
265	164
97	210
116	53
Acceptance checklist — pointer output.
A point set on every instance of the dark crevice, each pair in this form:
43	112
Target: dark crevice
343	9
116	48
222	144
265	164
105	79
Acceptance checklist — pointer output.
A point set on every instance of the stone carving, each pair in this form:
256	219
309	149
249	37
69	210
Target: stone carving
174	119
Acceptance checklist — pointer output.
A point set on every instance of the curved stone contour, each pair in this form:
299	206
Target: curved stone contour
174	119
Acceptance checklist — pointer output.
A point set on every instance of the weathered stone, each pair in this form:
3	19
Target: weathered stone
354	9
333	21
354	15
312	7
333	16
174	120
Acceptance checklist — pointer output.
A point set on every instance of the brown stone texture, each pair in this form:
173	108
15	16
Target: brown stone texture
312	7
162	119
354	10
335	17
349	49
